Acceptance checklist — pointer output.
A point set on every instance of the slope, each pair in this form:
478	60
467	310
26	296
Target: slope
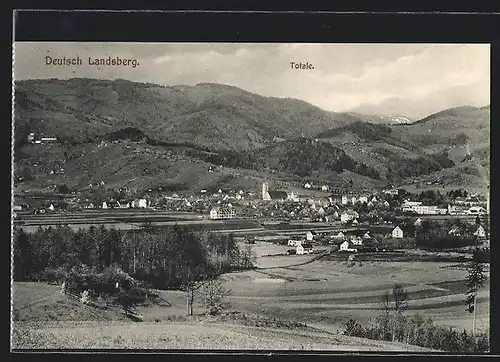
211	115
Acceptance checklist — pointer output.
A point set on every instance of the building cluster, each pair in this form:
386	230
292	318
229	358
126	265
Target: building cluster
417	207
36	138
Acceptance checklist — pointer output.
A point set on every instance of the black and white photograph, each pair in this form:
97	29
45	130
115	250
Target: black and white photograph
251	196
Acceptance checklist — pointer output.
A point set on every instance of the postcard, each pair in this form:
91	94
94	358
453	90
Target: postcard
251	196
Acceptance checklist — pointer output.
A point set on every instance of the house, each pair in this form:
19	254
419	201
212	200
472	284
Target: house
367	236
293	197
476	210
417	223
480	232
17	208
309	236
354	199
357	241
363	199
348	216
104	205
386	203
346	246
391	192
222	213
277	195
305	248
294	242
321	211
345	200
340	235
48	139
374	199
455	230
354	222
307	185
51	207
397	232
324	188
370	204
139	203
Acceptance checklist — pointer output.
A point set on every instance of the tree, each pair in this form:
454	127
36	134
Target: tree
475	280
128	299
399	304
214	295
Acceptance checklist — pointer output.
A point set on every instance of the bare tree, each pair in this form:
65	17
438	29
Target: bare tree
394	303
214	295
475	280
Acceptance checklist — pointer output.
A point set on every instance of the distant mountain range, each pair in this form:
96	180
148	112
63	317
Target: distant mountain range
145	135
415	109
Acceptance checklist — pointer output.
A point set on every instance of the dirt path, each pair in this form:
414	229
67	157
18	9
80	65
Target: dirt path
316	258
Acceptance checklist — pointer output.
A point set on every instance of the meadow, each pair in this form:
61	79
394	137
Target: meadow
321	293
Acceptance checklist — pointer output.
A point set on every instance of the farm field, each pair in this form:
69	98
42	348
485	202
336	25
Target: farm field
47	319
329	292
321	293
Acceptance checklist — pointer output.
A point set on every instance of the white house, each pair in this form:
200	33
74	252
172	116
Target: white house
51	207
386	203
370	204
476	210
104	205
374	199
222	213
346	246
455	230
307	185
348	216
294	242
355	222
345	200
321	211
363	199
340	235
480	232
397	232
309	236
417	223
367	236
354	200
324	188
305	248
357	241
140	203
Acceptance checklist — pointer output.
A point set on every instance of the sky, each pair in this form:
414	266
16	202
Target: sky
413	80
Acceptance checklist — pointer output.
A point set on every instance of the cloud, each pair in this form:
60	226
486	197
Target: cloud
345	76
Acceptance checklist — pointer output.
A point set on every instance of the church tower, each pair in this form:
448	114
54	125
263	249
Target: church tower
265	192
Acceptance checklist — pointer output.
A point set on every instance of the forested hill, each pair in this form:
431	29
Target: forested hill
208	115
180	132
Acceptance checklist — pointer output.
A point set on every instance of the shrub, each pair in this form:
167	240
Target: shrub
419	332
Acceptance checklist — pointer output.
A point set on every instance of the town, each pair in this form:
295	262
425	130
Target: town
326	219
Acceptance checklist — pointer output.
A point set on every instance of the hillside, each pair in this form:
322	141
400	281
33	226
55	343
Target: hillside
43	318
80	109
451	128
211	135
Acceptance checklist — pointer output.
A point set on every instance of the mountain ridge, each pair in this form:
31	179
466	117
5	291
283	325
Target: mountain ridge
237	128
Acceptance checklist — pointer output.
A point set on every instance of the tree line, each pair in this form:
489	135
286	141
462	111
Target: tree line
168	258
393	325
